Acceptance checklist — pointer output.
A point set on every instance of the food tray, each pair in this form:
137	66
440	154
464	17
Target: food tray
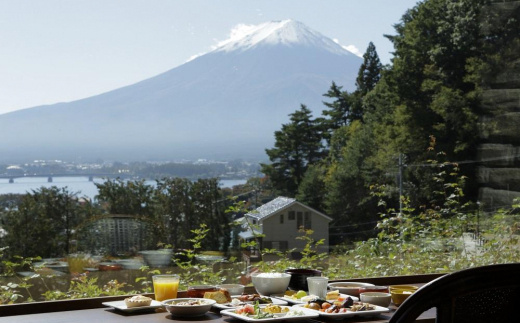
339	316
225	306
308	314
121	306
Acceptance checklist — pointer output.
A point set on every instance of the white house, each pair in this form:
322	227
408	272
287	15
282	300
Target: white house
279	222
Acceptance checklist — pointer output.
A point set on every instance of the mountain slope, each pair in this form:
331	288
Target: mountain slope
225	104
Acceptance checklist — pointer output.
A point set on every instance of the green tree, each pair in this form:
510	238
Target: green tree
339	112
126	197
209	210
297	145
349	177
369	72
311	190
43	223
434	43
183	205
175	205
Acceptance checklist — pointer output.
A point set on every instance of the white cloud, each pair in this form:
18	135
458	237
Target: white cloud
194	56
237	32
351	48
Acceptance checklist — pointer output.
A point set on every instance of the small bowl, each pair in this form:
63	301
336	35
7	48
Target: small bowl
349	288
198	291
403	287
299	278
376	298
400	295
172	305
379	289
270	283
233	289
110	266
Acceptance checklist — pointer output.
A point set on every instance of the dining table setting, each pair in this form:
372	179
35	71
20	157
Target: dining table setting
292	295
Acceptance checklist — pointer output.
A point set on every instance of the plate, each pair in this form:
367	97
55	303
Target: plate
121	306
225	306
298	302
188	307
338	316
350	288
307	314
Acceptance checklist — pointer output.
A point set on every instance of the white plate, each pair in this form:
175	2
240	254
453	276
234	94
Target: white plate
121	306
348	287
338	316
297	301
307	315
226	306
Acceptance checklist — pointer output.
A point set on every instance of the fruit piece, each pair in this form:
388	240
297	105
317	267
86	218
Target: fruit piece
326	305
300	294
314	306
290	292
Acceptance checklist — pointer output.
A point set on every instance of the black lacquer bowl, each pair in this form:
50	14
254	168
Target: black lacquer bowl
299	278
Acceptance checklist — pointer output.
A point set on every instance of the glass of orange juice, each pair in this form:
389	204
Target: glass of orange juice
165	286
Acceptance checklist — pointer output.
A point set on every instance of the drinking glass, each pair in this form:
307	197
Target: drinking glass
318	286
165	286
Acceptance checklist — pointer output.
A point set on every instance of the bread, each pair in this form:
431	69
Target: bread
332	295
222	296
138	301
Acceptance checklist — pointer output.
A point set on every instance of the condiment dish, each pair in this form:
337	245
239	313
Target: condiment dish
376	298
349	288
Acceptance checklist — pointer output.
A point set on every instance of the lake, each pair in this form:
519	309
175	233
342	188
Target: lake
81	185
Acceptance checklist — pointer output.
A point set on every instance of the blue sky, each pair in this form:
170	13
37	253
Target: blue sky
59	50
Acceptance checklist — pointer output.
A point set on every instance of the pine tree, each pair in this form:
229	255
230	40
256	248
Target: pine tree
297	145
338	112
369	72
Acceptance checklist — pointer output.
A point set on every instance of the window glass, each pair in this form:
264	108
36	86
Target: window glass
409	146
299	220
308	220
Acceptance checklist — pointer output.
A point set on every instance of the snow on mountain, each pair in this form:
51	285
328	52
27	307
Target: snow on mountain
223	104
285	32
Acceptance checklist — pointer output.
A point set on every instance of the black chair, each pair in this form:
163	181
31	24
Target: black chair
483	294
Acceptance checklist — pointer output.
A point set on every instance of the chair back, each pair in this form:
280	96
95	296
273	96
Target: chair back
481	294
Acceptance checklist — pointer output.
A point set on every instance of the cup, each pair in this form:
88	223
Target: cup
165	286
318	286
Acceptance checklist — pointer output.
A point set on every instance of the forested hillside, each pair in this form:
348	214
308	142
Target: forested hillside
424	108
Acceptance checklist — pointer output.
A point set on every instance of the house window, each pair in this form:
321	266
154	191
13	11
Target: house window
279	245
299	220
254	221
292	215
281	218
307	221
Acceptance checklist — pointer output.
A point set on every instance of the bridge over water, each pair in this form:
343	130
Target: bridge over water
50	177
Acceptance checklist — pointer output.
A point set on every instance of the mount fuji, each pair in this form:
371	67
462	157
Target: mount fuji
224	104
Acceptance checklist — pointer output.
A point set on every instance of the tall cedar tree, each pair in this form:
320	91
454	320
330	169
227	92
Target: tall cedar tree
370	71
368	76
297	145
339	112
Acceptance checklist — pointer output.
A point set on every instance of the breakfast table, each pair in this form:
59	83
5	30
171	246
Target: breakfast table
92	311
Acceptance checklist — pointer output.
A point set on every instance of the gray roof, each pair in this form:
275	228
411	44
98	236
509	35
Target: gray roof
276	205
271	207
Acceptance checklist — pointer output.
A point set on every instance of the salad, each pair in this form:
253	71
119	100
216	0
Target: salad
269	311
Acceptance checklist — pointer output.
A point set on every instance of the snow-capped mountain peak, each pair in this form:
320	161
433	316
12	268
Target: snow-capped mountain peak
285	32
